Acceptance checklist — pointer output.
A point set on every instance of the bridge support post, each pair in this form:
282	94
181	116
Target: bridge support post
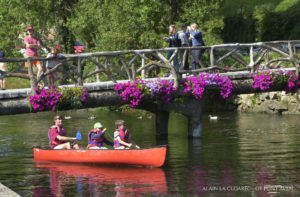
191	108
194	123
194	126
161	123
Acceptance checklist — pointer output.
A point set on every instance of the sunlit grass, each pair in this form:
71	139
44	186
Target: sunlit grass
17	83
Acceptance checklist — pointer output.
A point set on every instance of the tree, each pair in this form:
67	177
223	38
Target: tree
206	14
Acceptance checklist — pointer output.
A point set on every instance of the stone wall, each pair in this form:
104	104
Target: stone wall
269	102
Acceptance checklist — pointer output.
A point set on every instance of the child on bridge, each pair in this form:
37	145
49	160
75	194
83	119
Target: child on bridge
52	63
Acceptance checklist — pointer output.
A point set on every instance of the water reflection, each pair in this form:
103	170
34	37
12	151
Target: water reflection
89	180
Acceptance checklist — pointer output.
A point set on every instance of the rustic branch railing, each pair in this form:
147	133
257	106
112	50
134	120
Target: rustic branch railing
130	63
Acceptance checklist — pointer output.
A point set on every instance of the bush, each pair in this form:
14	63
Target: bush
72	98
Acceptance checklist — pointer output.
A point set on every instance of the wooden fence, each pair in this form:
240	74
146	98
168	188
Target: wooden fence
129	64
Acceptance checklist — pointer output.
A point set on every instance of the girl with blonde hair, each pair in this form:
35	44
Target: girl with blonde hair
196	37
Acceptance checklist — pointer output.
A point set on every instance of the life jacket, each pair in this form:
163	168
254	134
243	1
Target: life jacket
55	142
124	137
97	142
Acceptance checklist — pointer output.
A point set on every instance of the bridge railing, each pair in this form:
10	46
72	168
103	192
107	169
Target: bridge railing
128	64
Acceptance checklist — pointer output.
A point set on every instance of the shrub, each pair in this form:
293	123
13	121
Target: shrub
72	98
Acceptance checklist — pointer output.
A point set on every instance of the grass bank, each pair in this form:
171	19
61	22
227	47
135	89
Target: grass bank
17	83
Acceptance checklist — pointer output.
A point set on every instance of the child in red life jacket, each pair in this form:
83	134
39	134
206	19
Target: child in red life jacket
57	136
96	137
122	137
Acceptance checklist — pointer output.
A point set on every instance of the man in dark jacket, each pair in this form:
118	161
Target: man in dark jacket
183	36
173	42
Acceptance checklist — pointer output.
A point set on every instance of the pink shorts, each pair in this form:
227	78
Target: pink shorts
54	74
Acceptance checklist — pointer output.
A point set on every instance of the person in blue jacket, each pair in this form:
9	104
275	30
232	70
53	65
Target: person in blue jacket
196	37
96	137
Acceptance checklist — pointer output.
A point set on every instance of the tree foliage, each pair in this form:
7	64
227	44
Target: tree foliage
134	24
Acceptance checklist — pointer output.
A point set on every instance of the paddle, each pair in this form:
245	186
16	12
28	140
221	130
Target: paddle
78	135
110	136
134	144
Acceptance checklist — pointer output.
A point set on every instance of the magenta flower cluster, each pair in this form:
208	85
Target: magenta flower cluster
293	83
264	80
161	90
197	84
45	99
136	91
131	92
85	95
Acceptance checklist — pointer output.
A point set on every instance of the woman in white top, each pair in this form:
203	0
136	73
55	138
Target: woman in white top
3	68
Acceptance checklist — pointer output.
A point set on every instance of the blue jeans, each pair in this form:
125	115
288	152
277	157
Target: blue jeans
197	53
186	64
175	60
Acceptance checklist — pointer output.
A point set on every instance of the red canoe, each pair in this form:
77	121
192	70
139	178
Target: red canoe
145	156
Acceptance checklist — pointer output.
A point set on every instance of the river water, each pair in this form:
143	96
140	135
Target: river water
238	155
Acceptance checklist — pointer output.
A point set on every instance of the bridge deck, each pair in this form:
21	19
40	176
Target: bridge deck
109	85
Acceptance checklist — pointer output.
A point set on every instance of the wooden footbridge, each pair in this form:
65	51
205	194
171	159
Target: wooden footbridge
100	71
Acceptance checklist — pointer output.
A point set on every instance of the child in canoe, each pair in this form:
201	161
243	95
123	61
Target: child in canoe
57	136
96	137
122	137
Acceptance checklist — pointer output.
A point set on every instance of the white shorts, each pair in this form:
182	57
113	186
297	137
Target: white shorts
96	147
59	146
122	147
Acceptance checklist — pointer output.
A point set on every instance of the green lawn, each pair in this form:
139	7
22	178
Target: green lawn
16	83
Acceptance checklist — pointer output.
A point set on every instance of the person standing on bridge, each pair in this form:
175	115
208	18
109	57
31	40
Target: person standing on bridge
57	136
32	44
183	36
3	68
52	63
196	37
173	42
